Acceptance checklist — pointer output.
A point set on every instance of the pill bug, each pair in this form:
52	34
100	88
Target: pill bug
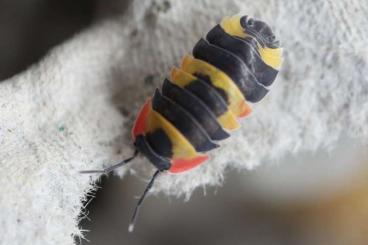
202	100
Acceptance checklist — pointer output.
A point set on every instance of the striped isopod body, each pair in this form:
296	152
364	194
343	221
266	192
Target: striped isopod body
203	99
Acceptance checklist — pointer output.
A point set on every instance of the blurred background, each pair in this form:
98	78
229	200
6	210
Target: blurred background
312	198
30	28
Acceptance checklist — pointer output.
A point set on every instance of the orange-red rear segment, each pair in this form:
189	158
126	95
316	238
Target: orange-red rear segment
181	164
140	122
245	109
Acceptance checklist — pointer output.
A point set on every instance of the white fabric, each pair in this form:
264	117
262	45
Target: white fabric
64	114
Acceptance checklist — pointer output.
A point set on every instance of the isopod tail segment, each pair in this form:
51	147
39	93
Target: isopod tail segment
183	156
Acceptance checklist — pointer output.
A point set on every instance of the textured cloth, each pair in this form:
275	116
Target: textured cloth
74	110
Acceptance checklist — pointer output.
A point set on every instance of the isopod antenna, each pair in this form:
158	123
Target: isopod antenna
141	199
111	168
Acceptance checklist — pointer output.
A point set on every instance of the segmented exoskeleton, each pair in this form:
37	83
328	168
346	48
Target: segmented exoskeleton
202	100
